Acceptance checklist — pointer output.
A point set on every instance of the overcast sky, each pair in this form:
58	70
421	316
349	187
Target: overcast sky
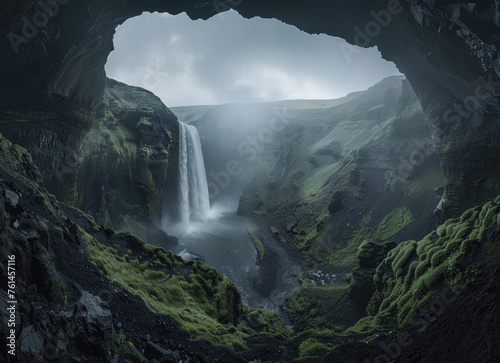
231	59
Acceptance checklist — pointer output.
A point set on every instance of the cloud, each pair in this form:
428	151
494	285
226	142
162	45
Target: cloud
231	59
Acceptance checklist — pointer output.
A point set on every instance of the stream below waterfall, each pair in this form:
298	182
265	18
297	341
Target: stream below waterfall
221	238
223	242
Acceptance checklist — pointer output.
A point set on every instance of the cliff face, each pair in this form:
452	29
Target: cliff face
129	160
56	53
118	168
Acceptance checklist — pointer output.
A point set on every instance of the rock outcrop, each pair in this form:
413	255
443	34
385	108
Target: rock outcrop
129	161
119	168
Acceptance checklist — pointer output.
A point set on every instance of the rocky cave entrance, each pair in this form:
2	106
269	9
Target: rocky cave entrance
230	86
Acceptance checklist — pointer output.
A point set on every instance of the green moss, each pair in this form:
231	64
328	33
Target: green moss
321	307
257	243
311	348
362	286
426	181
394	222
131	226
278	236
413	271
17	162
121	348
369	326
204	302
309	241
346	256
256	321
204	309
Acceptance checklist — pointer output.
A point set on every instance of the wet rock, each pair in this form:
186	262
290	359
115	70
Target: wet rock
155	351
336	203
271	183
31	342
355	177
12	197
439	191
94	319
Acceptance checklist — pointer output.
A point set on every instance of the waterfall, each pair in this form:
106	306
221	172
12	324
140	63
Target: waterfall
193	188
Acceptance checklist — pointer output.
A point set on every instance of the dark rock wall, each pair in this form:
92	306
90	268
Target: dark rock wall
129	160
116	167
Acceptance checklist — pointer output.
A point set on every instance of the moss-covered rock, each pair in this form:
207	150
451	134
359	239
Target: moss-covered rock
370	255
278	235
311	348
413	271
204	302
336	203
259	246
128	160
322	307
394	222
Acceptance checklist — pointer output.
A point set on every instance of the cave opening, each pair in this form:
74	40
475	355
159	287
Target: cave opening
231	59
240	81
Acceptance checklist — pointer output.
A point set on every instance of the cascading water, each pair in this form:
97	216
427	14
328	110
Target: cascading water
214	234
194	203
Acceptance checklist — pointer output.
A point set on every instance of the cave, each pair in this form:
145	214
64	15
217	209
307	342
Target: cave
393	238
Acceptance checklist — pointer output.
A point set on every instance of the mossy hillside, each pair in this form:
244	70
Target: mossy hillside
339	306
409	275
259	246
309	241
35	211
316	343
341	160
264	323
427	179
311	348
205	303
413	271
17	162
394	222
322	307
278	236
370	255
296	166
345	256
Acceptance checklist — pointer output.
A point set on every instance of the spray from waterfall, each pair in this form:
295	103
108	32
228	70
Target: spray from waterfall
194	203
